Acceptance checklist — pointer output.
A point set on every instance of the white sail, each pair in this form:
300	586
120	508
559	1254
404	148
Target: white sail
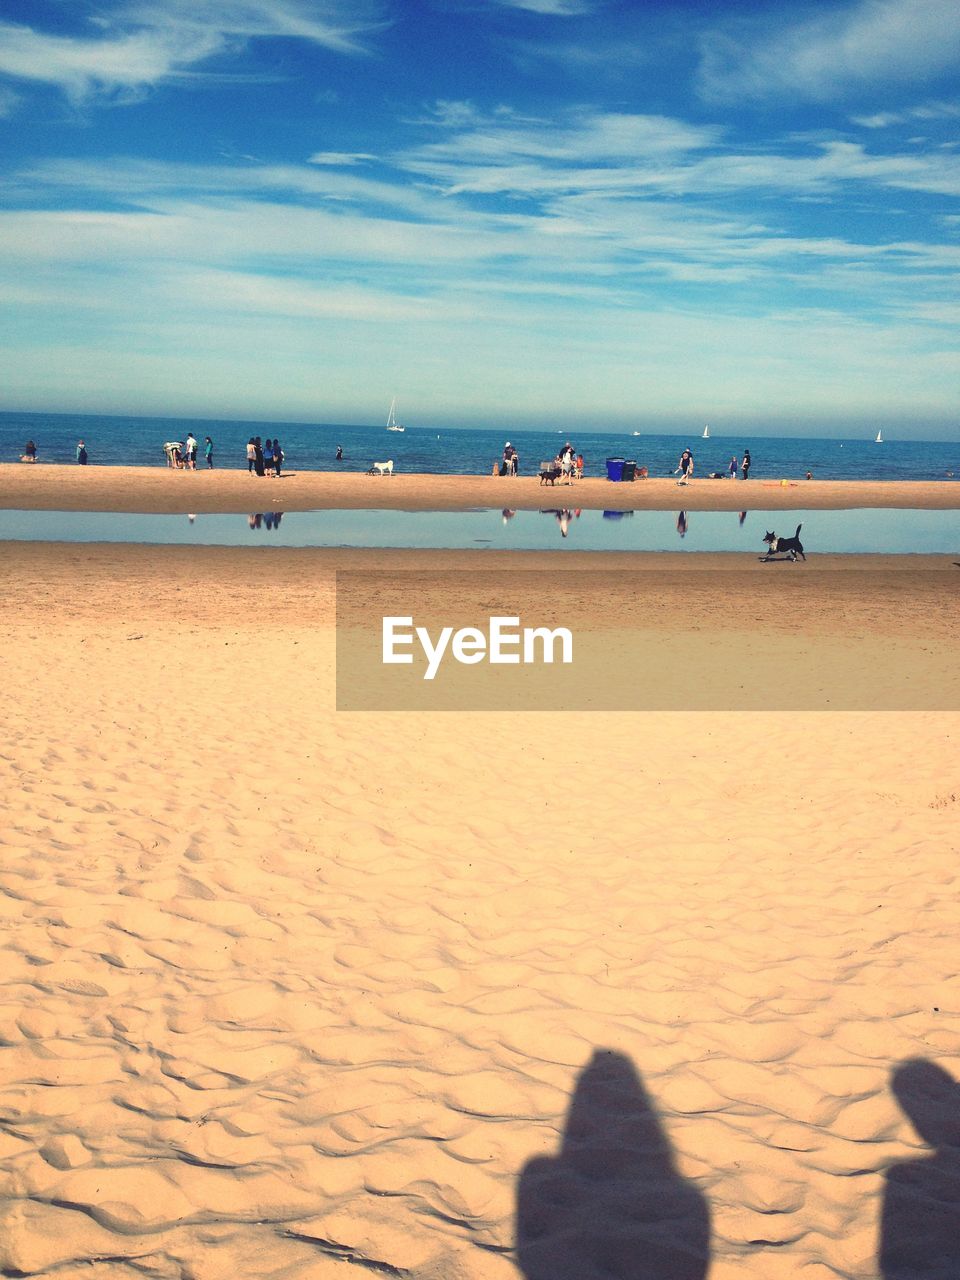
706	433
879	439
392	423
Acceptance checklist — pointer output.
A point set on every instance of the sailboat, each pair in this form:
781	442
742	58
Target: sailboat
392	423
879	439
706	433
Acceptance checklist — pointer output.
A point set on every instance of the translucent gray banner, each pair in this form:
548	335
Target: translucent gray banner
779	637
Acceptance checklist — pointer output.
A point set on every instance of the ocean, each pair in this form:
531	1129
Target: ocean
135	441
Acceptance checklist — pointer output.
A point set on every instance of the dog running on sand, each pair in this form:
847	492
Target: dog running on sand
789	548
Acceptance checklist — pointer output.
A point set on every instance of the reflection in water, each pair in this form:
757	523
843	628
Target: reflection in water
936	532
920	1224
682	524
611	1205
563	517
265	520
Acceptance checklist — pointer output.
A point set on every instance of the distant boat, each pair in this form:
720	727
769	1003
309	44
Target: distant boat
392	423
636	433
879	439
706	433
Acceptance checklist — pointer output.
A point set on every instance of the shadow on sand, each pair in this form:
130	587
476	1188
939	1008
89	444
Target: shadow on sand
611	1205
920	1229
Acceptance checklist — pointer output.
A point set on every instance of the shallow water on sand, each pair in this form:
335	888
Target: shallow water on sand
882	531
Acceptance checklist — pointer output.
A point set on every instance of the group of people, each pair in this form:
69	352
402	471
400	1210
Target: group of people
510	466
684	467
183	456
264	457
567	462
30	452
570	463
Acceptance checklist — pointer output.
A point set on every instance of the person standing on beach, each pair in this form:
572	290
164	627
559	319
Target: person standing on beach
745	465
258	456
191	448
81	453
277	458
733	467
251	456
29	452
685	467
208	452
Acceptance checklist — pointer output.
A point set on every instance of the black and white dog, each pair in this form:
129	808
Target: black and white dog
790	548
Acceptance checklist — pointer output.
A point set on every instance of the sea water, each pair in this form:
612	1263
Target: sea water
134	441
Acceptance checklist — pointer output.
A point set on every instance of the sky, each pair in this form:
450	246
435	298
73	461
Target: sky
503	212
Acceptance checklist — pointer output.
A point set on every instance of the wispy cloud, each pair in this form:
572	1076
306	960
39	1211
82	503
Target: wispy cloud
554	8
867	44
502	152
909	115
133	47
346	159
585	150
9	102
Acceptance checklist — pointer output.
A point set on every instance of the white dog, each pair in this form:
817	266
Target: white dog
381	469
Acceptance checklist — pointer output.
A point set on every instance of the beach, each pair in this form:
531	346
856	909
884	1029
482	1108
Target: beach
305	993
162	490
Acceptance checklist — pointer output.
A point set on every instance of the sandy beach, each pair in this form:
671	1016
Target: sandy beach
301	993
159	489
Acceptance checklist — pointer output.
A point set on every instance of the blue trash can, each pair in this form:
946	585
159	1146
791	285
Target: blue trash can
615	469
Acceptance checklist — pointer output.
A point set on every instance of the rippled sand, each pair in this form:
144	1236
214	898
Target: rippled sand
294	993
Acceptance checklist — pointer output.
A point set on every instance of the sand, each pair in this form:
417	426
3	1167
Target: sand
298	993
159	489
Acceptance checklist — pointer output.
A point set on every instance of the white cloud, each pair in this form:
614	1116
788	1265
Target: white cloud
9	102
334	24
124	63
870	43
138	46
586	151
340	159
553	8
576	135
928	111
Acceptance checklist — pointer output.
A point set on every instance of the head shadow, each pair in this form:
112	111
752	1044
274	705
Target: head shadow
920	1222
611	1204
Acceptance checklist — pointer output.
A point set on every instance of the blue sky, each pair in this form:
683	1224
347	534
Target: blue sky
521	212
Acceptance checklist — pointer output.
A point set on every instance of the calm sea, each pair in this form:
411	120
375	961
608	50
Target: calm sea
130	441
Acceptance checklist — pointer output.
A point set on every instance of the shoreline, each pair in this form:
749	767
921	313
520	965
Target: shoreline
160	491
